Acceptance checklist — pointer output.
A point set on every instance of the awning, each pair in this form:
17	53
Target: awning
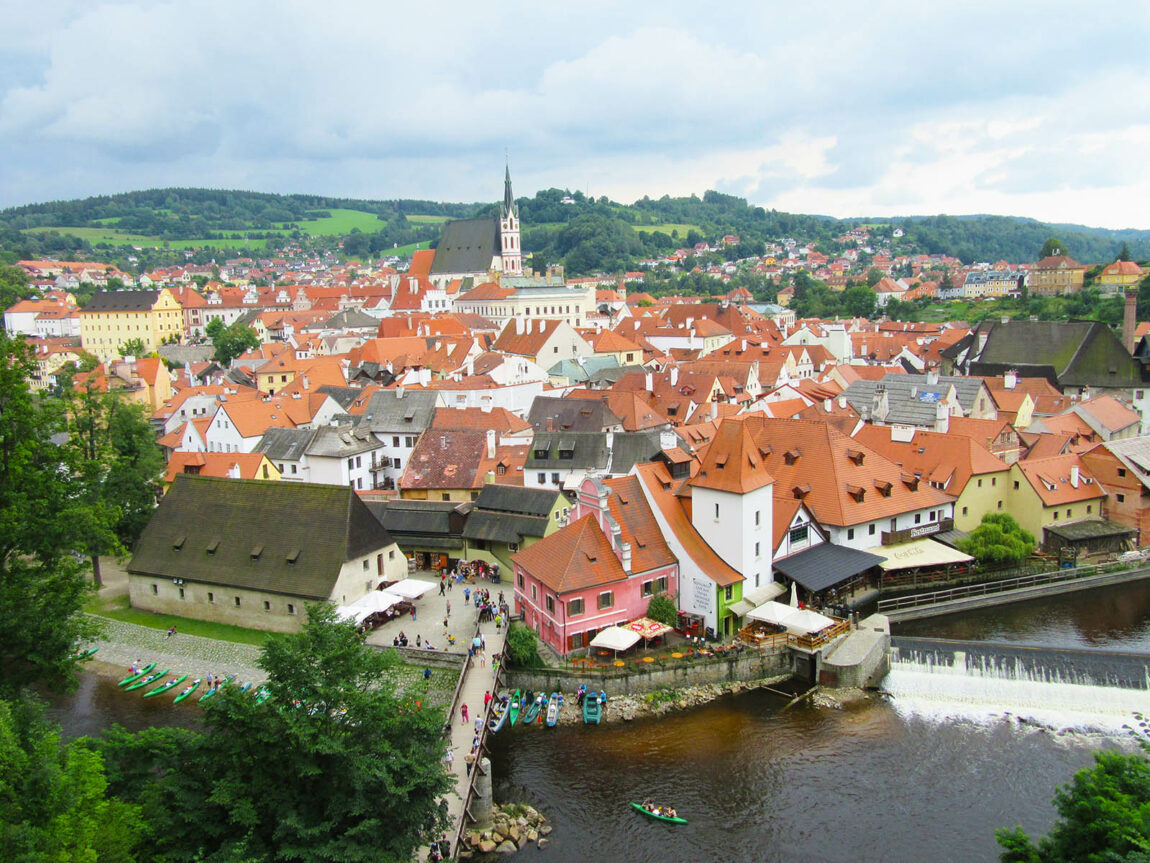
826	565
367	605
411	588
801	621
920	552
615	638
647	628
754	598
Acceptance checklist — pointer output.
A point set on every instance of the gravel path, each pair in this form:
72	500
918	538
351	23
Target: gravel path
125	642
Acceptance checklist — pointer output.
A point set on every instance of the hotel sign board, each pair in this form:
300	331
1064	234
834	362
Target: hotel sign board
895	537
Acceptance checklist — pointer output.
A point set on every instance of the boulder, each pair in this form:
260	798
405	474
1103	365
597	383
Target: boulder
507	847
486	846
513	833
543	842
545	830
532	835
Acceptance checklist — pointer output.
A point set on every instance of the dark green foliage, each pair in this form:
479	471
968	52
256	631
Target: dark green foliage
53	801
998	539
1103	816
662	608
230	341
523	647
133	348
334	766
1052	246
13	286
43	513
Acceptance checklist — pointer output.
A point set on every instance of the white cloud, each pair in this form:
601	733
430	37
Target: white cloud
828	107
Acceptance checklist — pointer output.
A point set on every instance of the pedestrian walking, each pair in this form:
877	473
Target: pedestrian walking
445	627
449	608
482	641
449	758
467	594
486	700
463	712
413	614
478	724
171	632
442	587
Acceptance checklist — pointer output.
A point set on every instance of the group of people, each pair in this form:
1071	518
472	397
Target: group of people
440	849
662	811
582	693
400	640
469	570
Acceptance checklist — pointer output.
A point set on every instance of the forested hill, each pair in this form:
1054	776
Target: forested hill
587	234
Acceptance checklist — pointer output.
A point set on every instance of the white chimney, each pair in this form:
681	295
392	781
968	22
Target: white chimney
714	410
625	556
941	418
1010	379
1074	476
827	405
842	402
491	443
519	326
932	378
648	382
399	392
674	375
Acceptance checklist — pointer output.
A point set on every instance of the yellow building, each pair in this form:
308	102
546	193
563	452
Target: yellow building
1054	490
114	318
1119	276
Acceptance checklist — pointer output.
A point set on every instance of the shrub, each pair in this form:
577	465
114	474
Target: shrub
522	647
662	608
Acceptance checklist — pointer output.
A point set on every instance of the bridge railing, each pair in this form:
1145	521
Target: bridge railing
937	597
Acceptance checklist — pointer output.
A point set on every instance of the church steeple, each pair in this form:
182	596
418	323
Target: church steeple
512	253
508	198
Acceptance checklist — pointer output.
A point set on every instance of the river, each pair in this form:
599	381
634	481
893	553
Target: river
878	781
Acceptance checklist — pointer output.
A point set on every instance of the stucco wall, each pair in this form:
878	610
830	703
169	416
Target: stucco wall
220	607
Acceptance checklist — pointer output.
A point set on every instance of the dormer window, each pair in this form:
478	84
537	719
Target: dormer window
883	487
801	491
857	492
213	546
910	481
178	543
855	455
292	556
791	456
256	552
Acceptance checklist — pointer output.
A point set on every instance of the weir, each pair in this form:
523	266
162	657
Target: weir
1054	687
1032	664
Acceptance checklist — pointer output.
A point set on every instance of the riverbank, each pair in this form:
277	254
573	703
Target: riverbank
628	708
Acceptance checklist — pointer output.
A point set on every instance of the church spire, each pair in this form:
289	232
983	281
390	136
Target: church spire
508	198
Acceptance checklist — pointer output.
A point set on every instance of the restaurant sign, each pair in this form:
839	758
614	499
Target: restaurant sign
895	537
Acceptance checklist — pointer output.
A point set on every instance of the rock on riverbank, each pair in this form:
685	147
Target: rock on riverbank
513	826
626	708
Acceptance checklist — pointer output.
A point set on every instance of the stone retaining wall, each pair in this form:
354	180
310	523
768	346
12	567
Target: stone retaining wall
671	674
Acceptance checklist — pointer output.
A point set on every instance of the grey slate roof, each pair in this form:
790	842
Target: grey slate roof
910	398
519	501
826	565
342	441
122	301
503	527
590	451
549	413
580	372
1068	353
387	413
421	524
467	246
349	319
246	533
284	444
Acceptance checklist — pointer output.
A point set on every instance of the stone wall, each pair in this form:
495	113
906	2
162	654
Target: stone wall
861	659
671	674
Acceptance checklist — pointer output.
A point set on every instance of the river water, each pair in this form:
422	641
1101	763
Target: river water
891	779
883	780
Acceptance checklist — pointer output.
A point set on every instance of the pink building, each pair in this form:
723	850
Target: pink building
599	571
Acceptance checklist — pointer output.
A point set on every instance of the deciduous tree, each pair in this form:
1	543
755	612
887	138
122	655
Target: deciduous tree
998	539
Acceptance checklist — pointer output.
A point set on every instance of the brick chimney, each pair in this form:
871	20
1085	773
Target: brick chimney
1129	319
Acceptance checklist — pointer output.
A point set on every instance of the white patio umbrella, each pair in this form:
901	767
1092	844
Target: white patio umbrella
794	594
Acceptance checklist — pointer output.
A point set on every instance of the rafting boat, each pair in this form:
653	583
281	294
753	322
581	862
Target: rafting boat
84	654
144	681
516	706
670	820
188	690
533	710
216	689
499	713
136	675
553	704
592	709
164	687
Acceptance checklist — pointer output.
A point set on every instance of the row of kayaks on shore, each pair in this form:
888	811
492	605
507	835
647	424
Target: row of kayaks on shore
149	676
509	709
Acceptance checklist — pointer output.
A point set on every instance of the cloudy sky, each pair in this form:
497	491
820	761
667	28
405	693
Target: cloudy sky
843	108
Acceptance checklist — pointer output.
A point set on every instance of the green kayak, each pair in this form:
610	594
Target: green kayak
516	706
673	820
188	690
132	678
215	689
175	681
144	681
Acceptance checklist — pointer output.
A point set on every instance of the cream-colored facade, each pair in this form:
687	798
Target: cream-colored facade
569	303
257	609
1032	513
988	492
105	324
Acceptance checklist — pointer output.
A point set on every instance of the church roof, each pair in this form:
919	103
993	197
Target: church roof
467	246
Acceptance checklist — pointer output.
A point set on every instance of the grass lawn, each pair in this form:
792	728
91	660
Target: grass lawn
404	251
667	229
341	222
427	220
117	609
